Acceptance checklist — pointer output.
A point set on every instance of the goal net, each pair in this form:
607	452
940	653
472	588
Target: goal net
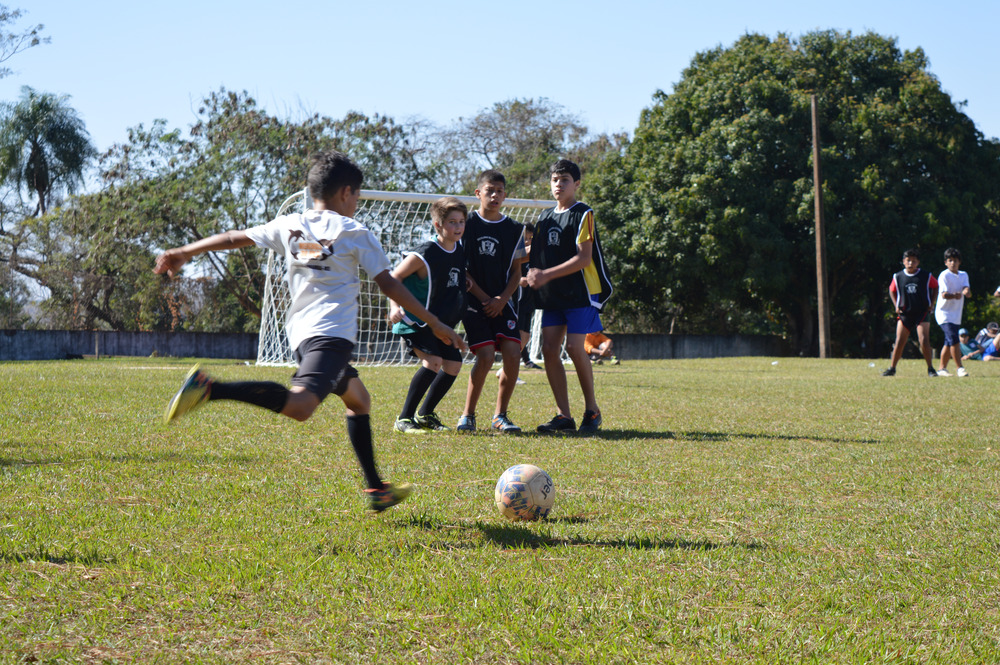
400	221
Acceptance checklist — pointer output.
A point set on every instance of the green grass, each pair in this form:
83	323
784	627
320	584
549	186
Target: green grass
732	510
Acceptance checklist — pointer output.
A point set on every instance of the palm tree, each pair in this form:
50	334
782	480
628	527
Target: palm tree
44	145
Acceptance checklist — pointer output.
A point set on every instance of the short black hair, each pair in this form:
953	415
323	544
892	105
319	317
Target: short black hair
491	176
952	253
330	171
564	166
911	252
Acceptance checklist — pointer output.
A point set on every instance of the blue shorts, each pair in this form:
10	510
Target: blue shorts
579	320
950	333
991	349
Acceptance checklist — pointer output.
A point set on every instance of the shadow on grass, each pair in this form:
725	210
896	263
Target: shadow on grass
629	434
58	559
519	537
515	536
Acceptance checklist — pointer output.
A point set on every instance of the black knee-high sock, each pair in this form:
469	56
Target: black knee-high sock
524	354
439	388
266	394
419	384
359	431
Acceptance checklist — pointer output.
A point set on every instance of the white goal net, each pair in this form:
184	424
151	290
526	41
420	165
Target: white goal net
400	221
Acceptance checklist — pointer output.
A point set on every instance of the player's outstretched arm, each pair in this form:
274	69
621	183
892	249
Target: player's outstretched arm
393	288
172	260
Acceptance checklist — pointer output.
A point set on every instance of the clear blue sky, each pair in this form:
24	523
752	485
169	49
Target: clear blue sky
130	62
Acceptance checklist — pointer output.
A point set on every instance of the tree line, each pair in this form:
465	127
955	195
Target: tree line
706	210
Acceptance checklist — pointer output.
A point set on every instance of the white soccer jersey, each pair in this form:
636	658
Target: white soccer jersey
322	252
950	311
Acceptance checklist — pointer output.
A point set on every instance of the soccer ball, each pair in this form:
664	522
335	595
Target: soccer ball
525	492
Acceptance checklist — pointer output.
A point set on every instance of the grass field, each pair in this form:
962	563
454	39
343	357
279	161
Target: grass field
732	510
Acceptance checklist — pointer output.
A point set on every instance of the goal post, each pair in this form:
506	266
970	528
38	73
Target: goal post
400	221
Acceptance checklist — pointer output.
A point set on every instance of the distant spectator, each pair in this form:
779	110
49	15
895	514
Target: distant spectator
970	347
989	343
598	347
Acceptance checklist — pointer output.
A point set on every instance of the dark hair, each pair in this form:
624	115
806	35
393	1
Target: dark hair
529	226
952	253
491	176
330	171
446	205
564	166
911	252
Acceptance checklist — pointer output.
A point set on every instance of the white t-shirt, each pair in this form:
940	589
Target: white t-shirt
322	252
950	311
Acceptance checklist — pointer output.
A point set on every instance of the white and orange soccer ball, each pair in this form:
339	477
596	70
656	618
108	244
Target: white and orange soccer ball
525	492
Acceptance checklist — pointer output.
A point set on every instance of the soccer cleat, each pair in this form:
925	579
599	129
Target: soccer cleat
943	372
431	421
615	361
931	373
408	426
466	424
502	423
388	496
559	423
891	371
194	392
531	365
591	422
962	371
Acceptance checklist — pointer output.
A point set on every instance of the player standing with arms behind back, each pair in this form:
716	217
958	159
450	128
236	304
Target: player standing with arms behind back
323	248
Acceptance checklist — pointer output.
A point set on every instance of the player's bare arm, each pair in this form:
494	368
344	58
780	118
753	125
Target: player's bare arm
172	260
583	257
408	266
395	290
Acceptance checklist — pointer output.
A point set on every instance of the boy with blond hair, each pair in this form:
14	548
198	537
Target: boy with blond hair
434	273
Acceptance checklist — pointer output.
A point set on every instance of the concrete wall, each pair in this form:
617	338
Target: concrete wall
58	344
649	347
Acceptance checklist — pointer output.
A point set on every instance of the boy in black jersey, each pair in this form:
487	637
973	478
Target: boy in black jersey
434	273
571	285
494	251
913	291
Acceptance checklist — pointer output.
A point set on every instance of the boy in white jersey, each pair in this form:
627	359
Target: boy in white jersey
953	289
323	248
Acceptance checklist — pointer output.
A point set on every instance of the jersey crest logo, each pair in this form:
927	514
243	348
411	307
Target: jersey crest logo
911	288
555	236
488	246
453	277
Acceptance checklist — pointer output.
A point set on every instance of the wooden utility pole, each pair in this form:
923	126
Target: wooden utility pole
822	304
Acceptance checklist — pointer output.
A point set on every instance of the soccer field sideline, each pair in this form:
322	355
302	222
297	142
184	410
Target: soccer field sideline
732	510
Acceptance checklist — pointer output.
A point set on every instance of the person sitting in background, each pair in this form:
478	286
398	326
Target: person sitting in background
598	347
970	347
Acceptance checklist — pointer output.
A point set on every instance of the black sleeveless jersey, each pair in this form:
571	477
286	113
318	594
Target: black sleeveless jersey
445	280
913	293
490	250
555	242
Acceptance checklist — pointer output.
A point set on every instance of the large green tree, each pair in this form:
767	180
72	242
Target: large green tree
161	188
710	208
44	146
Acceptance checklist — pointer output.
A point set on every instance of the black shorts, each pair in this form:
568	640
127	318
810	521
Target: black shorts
324	366
911	321
525	309
481	330
422	339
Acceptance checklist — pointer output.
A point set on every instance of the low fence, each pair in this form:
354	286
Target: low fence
61	344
